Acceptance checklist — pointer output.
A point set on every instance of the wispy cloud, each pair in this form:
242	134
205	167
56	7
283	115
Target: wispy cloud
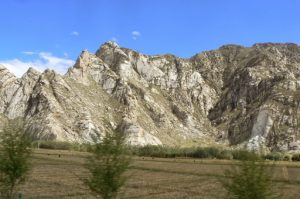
45	60
135	34
75	33
28	52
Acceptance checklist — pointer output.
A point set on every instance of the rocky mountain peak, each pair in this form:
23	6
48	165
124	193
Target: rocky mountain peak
31	73
235	95
82	60
106	50
110	44
6	75
2	67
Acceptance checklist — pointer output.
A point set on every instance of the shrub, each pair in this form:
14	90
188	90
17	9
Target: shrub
225	155
107	166
199	152
287	157
276	156
85	147
14	157
57	145
207	152
250	180
243	155
296	157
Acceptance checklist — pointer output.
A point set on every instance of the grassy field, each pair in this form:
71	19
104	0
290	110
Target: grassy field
60	174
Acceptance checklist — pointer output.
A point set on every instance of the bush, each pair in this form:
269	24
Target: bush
160	151
55	145
85	147
296	157
287	157
250	180
107	166
225	155
199	152
14	157
276	156
243	155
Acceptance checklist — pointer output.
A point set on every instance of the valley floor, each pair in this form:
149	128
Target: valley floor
60	174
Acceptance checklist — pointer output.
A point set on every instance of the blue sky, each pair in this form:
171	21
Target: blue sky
52	33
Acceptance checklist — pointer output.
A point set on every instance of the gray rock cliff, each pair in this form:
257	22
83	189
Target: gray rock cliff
233	95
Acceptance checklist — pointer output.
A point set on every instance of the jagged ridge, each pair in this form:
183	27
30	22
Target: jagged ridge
232	95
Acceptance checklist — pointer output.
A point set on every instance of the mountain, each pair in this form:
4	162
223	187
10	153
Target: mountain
233	95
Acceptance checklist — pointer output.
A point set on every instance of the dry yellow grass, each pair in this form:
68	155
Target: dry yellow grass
61	177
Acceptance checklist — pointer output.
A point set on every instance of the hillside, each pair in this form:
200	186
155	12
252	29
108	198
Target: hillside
233	95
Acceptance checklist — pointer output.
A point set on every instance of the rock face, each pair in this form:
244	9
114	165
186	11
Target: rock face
234	95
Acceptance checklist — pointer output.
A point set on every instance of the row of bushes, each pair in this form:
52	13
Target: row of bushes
209	153
197	152
173	152
277	156
55	145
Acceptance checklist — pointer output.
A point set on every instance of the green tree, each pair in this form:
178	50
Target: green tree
252	179
109	161
14	157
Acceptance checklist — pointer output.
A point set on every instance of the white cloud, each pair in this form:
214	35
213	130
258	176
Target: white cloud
75	33
45	60
28	52
135	34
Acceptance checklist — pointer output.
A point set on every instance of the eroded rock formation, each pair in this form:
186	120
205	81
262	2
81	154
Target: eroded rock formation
234	95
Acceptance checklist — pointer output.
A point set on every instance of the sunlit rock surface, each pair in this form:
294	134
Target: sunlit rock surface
233	95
